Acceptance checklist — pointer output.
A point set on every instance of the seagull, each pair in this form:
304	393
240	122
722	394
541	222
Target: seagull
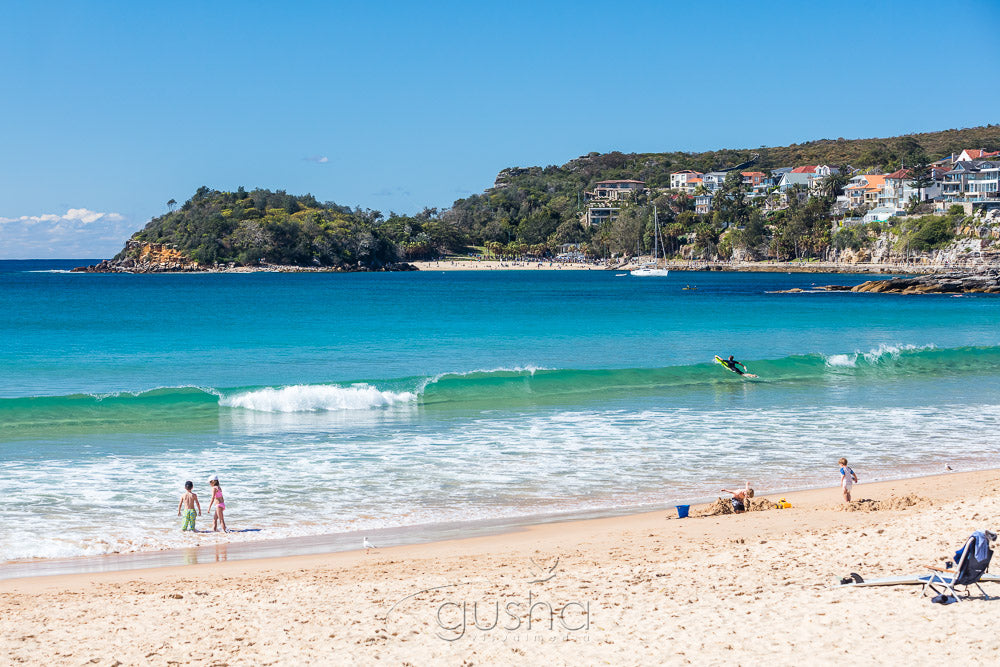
368	545
947	467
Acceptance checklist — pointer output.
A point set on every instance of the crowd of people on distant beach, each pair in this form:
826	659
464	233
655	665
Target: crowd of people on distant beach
189	508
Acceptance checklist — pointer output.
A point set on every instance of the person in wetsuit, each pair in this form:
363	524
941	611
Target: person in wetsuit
734	365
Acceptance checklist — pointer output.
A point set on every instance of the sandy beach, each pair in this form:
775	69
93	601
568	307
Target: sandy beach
748	589
695	265
506	265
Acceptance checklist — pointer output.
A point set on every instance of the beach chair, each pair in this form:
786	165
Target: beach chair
968	570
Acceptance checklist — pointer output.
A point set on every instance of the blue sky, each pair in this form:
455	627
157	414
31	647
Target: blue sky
113	108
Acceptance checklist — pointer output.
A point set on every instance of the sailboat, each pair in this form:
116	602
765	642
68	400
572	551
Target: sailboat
652	269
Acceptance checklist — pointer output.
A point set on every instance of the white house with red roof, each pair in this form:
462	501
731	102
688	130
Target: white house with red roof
970	154
818	170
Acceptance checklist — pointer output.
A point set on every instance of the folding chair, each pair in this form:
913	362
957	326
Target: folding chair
968	572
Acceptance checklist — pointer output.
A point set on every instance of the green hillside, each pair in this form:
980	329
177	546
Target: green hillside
542	204
536	209
261	226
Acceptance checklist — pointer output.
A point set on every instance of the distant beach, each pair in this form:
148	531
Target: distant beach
700	265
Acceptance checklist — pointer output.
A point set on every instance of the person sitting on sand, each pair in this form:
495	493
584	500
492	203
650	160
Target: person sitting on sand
847	479
219	502
740	498
188	502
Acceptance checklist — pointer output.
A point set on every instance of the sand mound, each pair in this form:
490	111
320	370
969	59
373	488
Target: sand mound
724	506
891	503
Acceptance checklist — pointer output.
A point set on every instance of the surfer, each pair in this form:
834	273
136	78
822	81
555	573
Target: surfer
734	365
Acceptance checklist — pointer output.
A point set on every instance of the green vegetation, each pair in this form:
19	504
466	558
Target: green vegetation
928	232
542	205
262	226
535	210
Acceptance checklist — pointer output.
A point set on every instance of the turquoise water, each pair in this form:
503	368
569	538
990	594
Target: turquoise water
331	403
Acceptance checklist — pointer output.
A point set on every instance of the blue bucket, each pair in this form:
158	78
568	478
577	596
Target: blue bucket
682	511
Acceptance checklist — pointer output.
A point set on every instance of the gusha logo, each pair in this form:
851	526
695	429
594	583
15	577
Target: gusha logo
508	618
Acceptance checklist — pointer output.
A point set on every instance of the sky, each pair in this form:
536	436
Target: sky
110	109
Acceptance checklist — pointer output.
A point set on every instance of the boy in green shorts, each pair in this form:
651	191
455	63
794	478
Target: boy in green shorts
188	502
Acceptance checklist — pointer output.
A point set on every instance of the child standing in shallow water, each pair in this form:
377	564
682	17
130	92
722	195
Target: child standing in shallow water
219	502
188	502
847	479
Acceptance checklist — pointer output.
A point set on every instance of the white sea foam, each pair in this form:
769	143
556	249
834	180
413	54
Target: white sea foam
842	360
873	356
316	398
403	473
529	369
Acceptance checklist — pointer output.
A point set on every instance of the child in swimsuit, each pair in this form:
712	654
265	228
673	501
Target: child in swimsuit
219	502
188	502
740	498
847	479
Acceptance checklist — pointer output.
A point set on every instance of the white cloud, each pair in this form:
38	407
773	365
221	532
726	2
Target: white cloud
318	159
79	232
84	215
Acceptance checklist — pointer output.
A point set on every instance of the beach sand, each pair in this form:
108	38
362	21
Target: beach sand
648	588
490	265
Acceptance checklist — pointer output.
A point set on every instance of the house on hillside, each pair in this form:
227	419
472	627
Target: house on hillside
598	214
896	191
880	214
970	154
604	201
864	190
679	179
817	170
760	182
615	190
713	180
976	182
792	178
703	204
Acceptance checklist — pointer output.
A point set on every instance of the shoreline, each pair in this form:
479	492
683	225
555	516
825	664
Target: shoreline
448	265
328	544
640	589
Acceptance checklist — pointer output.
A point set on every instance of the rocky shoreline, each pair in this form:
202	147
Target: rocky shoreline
985	282
139	257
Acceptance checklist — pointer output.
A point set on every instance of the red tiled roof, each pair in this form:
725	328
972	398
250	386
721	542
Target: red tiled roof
751	173
875	181
805	170
899	173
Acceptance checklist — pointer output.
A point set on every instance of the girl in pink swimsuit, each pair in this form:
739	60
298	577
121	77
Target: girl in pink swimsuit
219	502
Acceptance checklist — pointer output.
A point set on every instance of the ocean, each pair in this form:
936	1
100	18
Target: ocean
346	403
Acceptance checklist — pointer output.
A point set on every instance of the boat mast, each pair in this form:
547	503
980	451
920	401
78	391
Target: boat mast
656	237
